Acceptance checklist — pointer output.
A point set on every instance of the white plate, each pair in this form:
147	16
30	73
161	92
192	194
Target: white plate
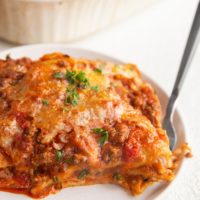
97	192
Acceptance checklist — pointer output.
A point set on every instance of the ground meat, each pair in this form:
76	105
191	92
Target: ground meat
23	120
5	174
110	153
16	77
78	158
122	133
111	131
23	179
146	100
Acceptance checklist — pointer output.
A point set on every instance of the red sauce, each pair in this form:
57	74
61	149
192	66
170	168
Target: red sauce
130	151
16	191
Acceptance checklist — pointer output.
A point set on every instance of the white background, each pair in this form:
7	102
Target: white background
154	39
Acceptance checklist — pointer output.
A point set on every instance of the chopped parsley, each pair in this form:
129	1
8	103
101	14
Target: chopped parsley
117	176
77	78
81	80
81	77
71	76
103	139
98	70
59	156
58	75
83	173
45	102
103	133
72	96
95	88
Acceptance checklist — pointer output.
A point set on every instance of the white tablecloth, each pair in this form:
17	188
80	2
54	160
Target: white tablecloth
155	39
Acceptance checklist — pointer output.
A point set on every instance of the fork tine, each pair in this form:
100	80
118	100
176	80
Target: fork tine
171	132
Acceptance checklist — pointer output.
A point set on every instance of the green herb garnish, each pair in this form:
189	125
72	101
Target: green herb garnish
95	88
98	70
103	139
77	78
117	176
58	75
72	96
45	102
59	156
70	76
81	80
83	173
103	133
81	77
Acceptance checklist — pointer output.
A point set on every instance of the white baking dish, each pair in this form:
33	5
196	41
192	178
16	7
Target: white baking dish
33	21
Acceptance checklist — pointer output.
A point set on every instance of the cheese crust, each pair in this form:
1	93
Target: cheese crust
66	122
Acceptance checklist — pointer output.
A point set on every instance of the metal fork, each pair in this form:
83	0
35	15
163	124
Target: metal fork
184	66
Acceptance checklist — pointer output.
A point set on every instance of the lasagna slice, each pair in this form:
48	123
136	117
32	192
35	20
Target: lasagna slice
67	122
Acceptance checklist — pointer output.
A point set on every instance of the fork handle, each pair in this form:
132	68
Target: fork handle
188	54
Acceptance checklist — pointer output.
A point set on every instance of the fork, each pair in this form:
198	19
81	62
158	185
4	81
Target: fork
188	54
